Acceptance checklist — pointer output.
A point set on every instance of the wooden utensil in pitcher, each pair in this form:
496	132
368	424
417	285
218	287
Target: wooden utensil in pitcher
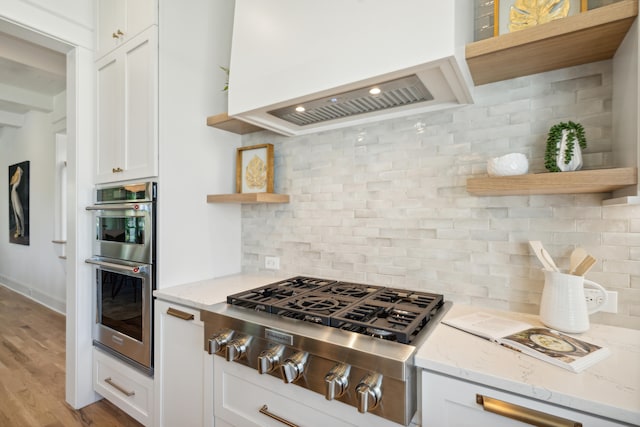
584	266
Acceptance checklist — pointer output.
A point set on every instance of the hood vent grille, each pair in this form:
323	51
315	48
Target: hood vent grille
394	93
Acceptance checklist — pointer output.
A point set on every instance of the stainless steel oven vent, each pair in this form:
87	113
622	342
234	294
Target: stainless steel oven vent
394	93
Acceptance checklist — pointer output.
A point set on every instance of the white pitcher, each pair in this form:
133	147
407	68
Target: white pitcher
563	306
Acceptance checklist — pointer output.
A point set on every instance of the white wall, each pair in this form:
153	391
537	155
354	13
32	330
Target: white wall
196	240
386	203
69	21
34	270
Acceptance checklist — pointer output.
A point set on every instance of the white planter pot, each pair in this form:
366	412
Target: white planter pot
576	160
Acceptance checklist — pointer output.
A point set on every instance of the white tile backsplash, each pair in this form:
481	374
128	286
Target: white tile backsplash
386	203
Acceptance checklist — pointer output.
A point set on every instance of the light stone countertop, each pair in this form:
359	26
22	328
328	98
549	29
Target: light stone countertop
610	388
205	293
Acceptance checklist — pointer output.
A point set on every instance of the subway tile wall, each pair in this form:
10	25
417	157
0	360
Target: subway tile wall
386	203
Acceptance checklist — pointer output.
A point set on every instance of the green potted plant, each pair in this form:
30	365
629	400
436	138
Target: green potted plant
565	142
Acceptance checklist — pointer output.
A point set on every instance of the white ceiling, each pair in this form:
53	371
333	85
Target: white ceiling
30	76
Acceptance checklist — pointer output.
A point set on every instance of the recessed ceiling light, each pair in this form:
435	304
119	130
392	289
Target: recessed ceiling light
300	109
375	91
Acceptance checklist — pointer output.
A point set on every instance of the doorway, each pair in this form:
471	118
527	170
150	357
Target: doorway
35	24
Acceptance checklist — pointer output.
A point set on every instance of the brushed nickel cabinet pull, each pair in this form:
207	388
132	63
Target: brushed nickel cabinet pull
179	314
121	389
520	413
265	410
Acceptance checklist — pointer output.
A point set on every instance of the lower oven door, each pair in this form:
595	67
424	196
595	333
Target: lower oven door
123	325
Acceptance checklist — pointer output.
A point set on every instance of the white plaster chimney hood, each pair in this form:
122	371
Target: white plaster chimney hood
326	55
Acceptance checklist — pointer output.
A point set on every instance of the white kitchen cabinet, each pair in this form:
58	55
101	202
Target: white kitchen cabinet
448	401
127	88
121	20
123	386
179	366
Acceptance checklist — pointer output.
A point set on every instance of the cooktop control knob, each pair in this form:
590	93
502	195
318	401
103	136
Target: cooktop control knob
269	359
369	392
219	340
293	367
336	381
237	347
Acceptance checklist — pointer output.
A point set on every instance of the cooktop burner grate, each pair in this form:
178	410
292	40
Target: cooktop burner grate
262	299
316	306
387	313
354	290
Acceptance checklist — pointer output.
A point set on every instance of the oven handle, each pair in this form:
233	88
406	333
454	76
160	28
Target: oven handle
120	268
118	207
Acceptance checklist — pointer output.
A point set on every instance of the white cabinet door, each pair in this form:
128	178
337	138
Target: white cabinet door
121	20
109	147
448	401
179	366
127	85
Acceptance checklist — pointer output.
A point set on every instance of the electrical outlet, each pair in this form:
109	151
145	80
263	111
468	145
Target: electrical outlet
272	263
594	297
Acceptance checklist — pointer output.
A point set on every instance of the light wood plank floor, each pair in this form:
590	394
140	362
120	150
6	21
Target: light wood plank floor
32	371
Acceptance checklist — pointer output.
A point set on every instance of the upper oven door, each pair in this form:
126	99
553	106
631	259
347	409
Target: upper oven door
124	231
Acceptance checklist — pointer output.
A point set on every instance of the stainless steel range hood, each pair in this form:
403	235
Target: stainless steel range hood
302	66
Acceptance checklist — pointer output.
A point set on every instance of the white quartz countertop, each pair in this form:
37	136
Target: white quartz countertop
610	388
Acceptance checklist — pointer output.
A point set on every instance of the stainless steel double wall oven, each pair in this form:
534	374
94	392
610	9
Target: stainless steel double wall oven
124	271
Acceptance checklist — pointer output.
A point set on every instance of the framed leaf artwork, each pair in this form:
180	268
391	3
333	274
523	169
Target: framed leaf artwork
514	15
254	169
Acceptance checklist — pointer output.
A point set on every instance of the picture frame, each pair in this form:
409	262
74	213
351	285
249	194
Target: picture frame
19	177
501	10
254	169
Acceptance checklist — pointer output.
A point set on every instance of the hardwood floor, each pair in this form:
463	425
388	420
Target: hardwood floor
32	371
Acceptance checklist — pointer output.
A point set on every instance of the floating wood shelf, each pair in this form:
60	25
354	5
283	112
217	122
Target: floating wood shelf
586	181
248	198
224	122
587	37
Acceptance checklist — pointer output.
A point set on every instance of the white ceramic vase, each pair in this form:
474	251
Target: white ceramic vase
576	160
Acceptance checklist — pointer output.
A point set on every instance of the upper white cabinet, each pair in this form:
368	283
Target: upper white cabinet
127	86
121	20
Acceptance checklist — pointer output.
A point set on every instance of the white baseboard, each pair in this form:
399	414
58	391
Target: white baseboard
34	294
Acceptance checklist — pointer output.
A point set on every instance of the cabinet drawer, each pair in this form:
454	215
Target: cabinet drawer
123	386
241	392
452	402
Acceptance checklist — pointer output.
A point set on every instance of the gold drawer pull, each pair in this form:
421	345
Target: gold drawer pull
179	314
265	410
116	170
520	413
121	389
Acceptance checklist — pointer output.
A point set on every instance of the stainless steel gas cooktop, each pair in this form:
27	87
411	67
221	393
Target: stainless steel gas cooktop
352	342
388	313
